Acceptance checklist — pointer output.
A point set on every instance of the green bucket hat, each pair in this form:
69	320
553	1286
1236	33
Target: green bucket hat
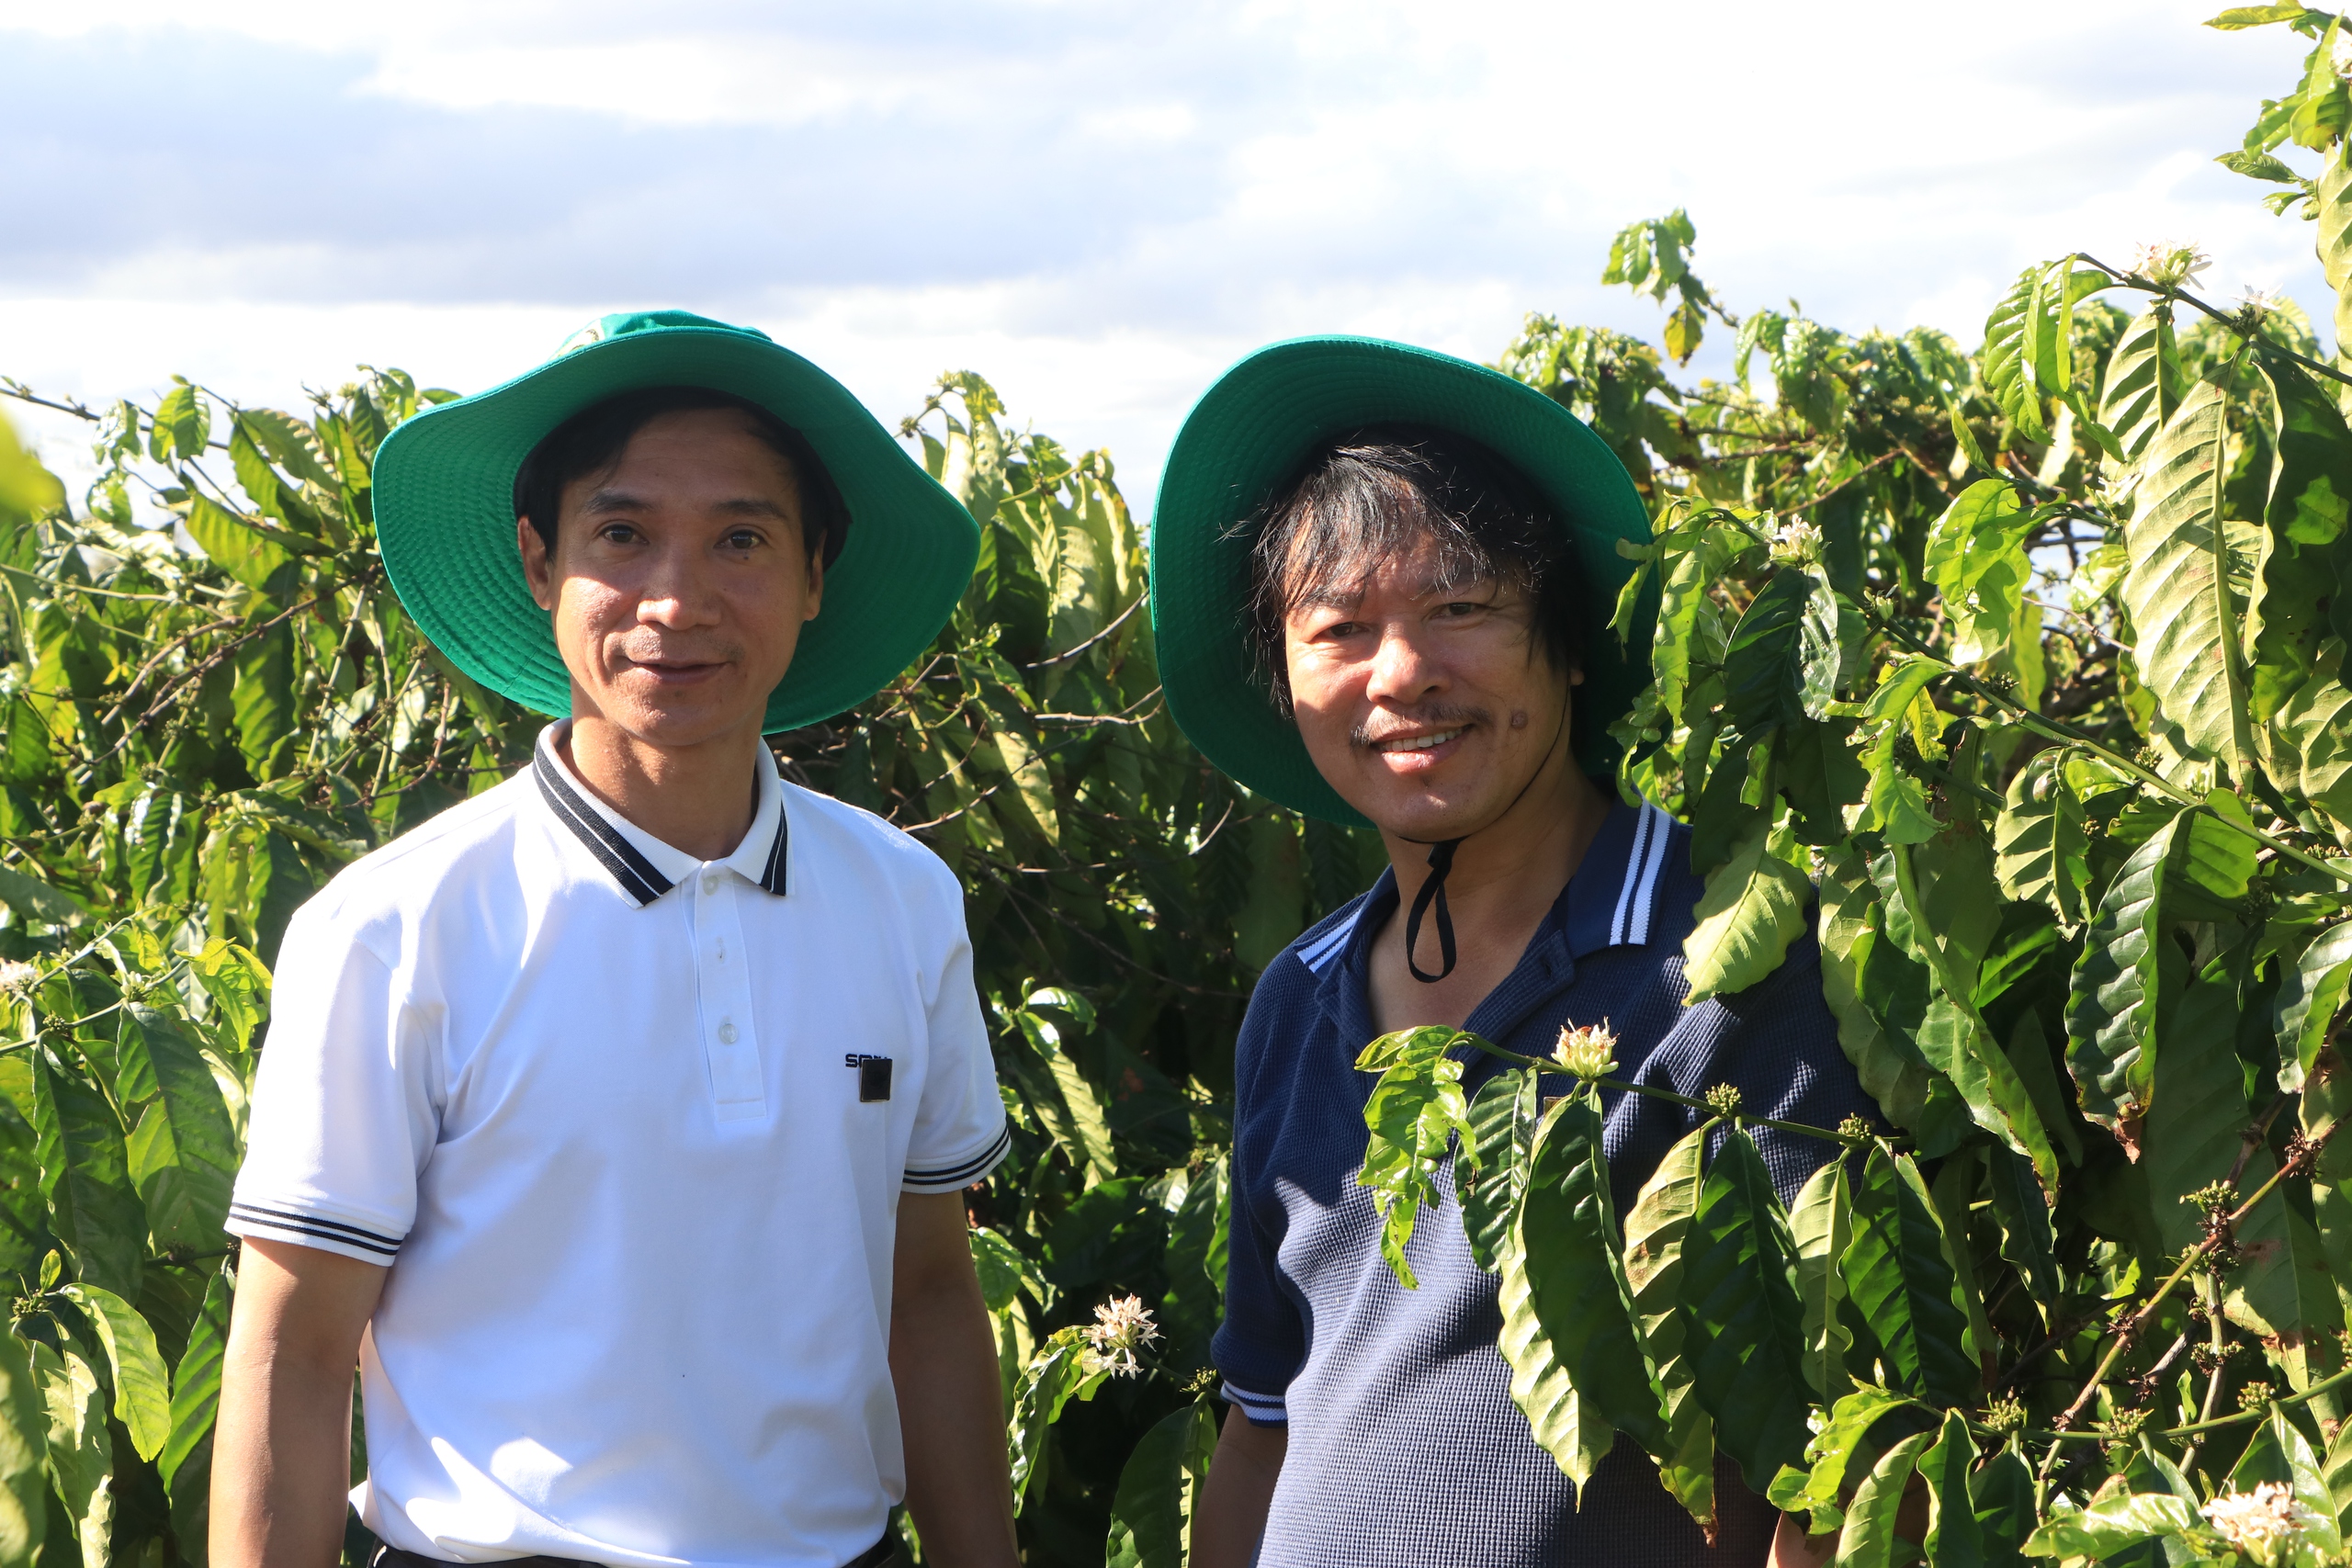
1250	433
445	513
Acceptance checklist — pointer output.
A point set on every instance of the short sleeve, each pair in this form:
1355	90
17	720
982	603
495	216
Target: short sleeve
1261	1344
959	1132
343	1111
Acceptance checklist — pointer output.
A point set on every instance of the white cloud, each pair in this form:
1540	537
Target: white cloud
1096	205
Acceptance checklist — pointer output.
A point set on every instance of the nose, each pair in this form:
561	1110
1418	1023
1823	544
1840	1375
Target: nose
675	593
1403	671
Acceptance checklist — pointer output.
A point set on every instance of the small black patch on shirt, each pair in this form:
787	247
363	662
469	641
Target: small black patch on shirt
873	1076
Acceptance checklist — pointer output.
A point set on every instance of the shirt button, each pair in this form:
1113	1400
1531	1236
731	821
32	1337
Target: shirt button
726	1033
710	882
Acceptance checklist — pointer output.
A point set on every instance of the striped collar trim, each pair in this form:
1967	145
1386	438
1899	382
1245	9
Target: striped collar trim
642	866
1637	896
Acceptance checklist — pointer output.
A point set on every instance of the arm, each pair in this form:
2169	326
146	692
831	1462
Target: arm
1240	1488
951	1409
1792	1547
281	1452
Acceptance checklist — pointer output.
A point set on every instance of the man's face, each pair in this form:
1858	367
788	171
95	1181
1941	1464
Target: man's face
678	585
1426	710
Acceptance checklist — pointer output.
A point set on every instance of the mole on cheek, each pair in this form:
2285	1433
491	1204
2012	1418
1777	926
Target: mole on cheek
1518	718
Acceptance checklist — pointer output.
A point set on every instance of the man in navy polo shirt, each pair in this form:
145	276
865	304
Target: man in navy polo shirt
1422	553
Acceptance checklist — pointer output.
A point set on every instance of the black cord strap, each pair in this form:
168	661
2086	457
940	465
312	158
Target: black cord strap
1433	893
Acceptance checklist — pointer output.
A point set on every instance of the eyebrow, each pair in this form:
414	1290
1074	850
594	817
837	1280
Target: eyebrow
604	500
1334	596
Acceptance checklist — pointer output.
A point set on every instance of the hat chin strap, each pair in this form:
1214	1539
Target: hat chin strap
1431	899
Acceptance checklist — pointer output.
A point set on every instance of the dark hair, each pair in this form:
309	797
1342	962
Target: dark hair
593	440
1381	491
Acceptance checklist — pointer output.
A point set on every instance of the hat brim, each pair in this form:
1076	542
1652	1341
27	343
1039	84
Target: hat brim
1252	430
444	519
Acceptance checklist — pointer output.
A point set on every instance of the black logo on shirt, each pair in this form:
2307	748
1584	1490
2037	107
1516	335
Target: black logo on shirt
873	1076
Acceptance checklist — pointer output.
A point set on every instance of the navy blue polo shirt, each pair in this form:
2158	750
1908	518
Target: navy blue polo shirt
1404	1447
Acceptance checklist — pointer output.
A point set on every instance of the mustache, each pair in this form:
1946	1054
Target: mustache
677	650
1436	716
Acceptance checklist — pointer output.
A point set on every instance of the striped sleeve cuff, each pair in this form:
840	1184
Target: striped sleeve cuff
958	1174
282	1222
1262	1409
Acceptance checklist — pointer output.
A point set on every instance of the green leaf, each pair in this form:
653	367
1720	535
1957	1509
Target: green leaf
1975	556
2258	166
2106	1527
239	548
2278	1452
1576	1286
1765	662
1953	1539
1853	934
1746	1327
1059	1374
2130	974
2146	381
1654	1233
2006	367
2183	615
2028	1241
182	425
2238	16
2309	996
187	1460
1753	907
1903	1287
183	1147
263	700
2335	1469
1855	1432
1821	1228
2313	729
2042	839
1415	1111
142	1389
1502	1121
86	1175
2002	1495
81	1455
2303	549
24	1443
37	901
1160	1490
1000	1266
1868	1538
1066	1101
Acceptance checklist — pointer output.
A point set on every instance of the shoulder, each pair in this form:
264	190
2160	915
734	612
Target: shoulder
469	839
834	831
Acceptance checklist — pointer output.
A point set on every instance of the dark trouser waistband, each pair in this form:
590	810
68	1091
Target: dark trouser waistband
873	1556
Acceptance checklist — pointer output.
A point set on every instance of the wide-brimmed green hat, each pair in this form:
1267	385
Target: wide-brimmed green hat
1254	430
445	513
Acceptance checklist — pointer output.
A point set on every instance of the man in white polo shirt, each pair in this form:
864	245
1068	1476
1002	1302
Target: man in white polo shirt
615	1121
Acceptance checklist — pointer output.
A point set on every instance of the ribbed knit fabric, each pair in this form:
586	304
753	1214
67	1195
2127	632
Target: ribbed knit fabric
1404	1448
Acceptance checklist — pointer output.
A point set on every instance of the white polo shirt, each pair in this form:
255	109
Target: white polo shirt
620	1123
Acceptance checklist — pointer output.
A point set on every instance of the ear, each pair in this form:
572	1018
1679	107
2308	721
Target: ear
815	595
539	569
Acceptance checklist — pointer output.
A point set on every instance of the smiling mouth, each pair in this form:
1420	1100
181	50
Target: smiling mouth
1421	742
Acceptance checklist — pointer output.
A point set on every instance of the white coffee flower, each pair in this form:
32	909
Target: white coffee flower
2263	1523
1589	1053
1121	1328
1797	543
15	976
2170	263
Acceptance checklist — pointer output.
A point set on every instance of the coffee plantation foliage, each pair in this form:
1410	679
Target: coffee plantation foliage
2016	676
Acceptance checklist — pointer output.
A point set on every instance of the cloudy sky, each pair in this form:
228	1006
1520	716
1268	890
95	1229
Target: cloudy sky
1095	204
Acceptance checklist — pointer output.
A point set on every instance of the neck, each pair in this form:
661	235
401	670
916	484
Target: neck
698	798
1508	874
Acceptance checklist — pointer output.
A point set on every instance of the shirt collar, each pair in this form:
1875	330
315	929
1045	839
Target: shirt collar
640	864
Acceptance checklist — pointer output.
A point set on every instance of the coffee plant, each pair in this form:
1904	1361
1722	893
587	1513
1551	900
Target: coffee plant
2016	675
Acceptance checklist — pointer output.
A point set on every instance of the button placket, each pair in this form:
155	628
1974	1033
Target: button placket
730	1035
